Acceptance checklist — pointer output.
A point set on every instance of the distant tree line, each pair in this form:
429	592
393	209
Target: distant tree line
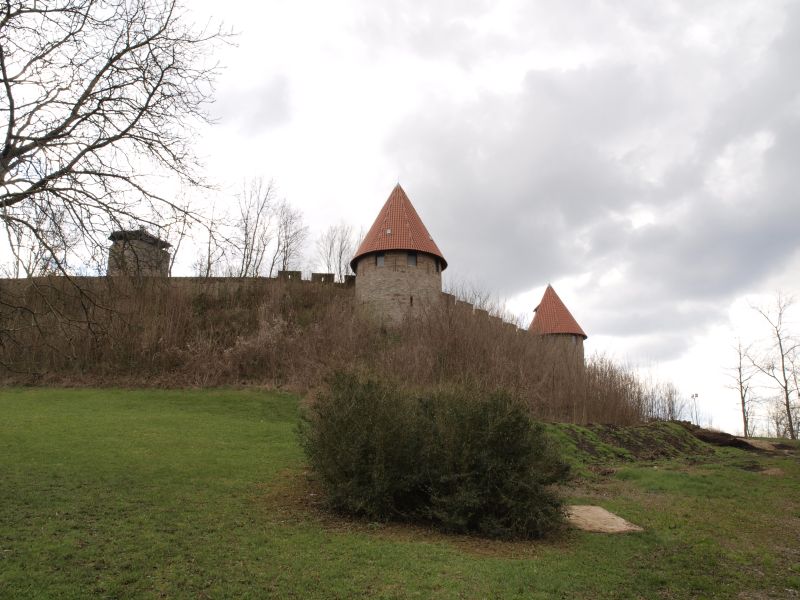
257	237
262	234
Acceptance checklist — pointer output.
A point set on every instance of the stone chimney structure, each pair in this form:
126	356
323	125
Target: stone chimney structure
136	253
398	266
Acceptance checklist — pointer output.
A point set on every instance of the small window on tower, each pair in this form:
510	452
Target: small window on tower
379	259
411	259
438	266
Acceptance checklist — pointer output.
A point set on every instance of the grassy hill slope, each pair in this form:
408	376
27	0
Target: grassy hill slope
587	445
204	494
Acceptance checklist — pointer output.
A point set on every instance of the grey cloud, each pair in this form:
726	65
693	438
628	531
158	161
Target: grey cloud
526	188
429	29
664	347
526	171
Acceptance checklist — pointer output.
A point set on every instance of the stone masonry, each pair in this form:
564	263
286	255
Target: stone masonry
397	289
139	254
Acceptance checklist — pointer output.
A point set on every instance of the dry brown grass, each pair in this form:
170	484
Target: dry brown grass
253	331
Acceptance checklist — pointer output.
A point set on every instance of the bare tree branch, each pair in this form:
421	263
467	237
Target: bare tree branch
97	95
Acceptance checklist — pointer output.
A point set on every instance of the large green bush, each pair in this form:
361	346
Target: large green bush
465	460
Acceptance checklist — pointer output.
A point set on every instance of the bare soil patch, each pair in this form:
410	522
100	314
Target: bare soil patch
775	471
760	444
717	438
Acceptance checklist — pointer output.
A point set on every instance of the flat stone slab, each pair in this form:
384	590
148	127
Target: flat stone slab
596	518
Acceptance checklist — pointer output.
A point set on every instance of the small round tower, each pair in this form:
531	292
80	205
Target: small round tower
398	266
553	320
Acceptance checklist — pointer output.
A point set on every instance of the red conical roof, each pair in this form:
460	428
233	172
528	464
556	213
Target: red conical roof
552	317
398	227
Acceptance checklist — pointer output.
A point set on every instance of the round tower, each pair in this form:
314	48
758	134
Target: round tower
553	320
398	266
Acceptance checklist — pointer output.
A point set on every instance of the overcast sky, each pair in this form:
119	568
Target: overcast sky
643	157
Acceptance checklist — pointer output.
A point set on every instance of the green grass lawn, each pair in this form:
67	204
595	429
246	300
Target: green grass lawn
113	493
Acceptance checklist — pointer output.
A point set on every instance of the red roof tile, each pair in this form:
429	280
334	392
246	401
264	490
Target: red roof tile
552	317
398	227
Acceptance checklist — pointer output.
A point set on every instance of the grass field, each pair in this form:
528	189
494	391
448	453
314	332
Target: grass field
110	493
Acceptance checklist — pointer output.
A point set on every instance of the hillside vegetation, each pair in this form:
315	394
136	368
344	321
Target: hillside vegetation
210	332
591	445
168	493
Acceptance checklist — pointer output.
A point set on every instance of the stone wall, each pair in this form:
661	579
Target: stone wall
137	258
396	289
566	352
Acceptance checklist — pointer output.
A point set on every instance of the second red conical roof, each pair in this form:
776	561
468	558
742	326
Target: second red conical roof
553	317
398	227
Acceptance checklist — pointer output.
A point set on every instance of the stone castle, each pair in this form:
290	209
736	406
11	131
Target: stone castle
399	268
398	272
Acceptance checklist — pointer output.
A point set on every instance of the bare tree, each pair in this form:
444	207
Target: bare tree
742	374
176	231
213	248
777	425
290	237
253	229
326	244
335	249
794	364
776	364
95	96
